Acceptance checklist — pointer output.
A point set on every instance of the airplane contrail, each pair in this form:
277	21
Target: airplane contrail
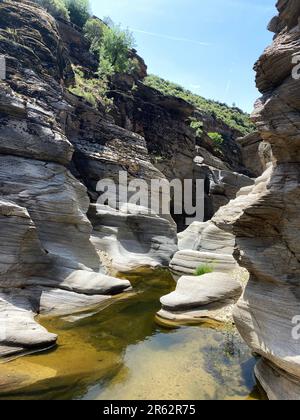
172	38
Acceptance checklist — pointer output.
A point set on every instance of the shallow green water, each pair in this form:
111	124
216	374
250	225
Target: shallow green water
121	353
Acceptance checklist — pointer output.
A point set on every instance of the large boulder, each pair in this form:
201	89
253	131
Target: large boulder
197	298
196	291
135	241
203	243
210	296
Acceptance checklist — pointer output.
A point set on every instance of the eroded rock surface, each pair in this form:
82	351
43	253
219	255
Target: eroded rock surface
203	243
210	296
257	154
196	297
56	250
266	222
47	260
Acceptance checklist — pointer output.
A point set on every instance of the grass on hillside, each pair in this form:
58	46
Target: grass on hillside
234	117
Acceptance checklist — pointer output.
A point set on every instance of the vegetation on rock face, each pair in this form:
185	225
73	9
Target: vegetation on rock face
216	138
112	45
109	42
79	11
93	31
234	117
197	126
56	8
93	90
76	11
204	269
114	50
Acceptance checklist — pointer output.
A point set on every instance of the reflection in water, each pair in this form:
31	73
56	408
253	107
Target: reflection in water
120	353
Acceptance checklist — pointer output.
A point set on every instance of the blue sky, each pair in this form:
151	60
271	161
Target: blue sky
208	46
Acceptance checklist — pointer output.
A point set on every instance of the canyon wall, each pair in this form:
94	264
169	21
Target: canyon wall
58	254
266	221
48	263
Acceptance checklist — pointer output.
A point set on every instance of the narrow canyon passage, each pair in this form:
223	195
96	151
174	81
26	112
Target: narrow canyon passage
111	170
121	353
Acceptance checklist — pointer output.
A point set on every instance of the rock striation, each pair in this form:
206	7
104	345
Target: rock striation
211	296
257	154
266	221
54	148
203	243
59	250
197	298
174	148
48	263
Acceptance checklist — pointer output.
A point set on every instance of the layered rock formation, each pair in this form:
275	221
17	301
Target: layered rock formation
173	146
47	264
54	148
209	296
203	243
57	247
252	148
266	222
127	239
198	298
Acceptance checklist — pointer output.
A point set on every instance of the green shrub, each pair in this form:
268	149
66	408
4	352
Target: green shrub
93	31
112	45
79	11
94	91
216	138
204	269
234	117
56	8
197	126
114	48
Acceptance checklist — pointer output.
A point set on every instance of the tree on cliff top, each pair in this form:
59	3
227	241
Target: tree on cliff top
56	8
77	11
93	31
112	44
114	50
